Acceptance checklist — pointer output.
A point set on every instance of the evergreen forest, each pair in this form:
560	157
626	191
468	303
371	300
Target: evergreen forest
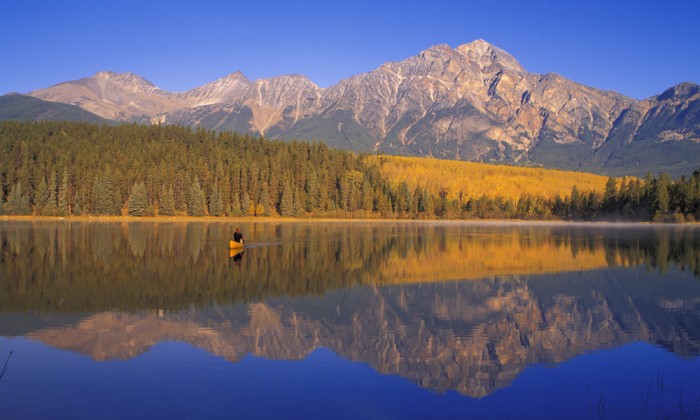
68	168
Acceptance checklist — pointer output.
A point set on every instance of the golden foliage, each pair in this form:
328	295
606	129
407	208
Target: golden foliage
473	180
472	258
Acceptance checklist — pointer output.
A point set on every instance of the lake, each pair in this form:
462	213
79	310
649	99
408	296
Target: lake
348	320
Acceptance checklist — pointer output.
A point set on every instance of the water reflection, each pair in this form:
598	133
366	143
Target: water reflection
376	293
81	266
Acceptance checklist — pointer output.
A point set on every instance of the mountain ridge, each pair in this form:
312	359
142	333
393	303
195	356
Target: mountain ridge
474	102
18	107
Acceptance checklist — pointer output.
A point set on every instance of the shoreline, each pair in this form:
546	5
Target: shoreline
248	219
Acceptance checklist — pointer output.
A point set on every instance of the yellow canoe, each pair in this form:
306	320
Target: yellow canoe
236	245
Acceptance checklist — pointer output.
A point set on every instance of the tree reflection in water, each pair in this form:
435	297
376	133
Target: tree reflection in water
451	306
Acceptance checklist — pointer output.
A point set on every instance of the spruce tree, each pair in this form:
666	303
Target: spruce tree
661	197
312	188
216	206
41	196
105	199
97	197
287	201
426	204
51	207
138	200
63	199
297	207
117	202
197	205
367	195
247	205
610	195
18	201
267	204
167	201
236	206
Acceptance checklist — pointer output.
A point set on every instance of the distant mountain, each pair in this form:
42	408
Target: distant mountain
474	102
129	97
21	107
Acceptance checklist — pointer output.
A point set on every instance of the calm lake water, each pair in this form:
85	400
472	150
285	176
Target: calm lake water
348	320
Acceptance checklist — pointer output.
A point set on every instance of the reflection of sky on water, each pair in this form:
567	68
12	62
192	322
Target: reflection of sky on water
175	380
351	320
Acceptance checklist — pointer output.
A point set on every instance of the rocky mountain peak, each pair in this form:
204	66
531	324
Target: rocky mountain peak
473	102
683	91
290	78
487	55
129	81
224	89
436	51
236	77
280	90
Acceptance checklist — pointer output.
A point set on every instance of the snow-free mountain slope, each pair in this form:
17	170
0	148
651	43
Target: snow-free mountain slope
474	102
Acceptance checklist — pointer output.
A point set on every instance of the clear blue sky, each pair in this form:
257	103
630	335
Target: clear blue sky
638	48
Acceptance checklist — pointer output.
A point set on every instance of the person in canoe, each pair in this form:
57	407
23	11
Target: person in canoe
238	236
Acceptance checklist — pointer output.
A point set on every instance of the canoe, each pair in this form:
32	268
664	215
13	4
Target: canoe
236	245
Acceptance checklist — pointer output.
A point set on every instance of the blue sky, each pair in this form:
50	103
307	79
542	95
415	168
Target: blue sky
638	48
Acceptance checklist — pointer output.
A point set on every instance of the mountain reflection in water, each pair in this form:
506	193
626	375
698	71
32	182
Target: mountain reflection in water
450	306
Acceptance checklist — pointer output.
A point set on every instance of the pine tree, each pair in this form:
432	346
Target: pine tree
105	199
97	197
51	207
383	203
349	185
166	205
287	201
610	196
236	206
298	208
404	199
63	198
215	203
138	200
117	202
267	203
188	196
661	197
247	205
575	203
313	194
197	205
18	201
425	201
367	195
41	196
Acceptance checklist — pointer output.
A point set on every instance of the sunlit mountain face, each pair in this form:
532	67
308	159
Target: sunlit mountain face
474	102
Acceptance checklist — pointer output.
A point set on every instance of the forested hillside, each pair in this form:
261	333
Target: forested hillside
61	168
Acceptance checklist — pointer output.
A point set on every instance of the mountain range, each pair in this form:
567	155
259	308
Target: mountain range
474	102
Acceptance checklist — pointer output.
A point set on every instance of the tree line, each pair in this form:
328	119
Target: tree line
67	168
